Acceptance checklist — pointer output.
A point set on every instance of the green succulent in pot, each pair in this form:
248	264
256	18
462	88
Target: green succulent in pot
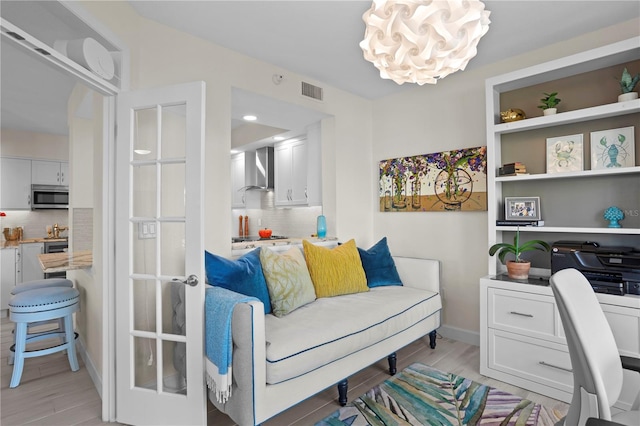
516	249
628	83
549	101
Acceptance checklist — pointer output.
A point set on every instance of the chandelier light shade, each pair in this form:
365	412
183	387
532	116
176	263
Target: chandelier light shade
422	41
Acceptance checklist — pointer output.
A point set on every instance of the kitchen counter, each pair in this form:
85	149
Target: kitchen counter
238	249
60	262
16	243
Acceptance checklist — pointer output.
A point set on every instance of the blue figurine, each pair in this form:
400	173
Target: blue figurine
613	214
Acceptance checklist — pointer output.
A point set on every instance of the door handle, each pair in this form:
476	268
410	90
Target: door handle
191	280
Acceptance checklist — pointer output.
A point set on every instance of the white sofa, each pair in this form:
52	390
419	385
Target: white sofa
279	362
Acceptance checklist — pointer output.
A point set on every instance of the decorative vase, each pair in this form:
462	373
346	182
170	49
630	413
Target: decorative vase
518	270
453	188
415	193
629	96
549	111
322	226
613	214
399	192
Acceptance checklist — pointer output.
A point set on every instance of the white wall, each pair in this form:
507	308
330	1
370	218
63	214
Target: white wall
451	115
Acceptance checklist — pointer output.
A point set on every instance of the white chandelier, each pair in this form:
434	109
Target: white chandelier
422	41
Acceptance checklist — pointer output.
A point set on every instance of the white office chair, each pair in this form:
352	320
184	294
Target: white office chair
597	365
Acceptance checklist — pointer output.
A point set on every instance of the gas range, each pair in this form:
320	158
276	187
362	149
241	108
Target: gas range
256	238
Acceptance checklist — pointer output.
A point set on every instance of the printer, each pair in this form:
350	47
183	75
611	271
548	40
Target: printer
613	270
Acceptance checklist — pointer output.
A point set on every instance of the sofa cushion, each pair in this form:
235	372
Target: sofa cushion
335	271
379	266
243	275
305	339
288	280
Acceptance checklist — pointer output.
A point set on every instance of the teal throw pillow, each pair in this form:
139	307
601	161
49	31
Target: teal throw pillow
379	266
243	275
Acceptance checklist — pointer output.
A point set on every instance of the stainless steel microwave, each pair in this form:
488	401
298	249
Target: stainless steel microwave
49	197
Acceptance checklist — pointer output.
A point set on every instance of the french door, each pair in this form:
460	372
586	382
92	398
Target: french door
160	256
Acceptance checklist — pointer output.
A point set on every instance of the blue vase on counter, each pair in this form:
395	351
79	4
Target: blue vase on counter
322	226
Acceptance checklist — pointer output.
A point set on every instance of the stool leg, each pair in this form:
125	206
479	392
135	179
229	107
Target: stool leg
71	342
11	353
18	363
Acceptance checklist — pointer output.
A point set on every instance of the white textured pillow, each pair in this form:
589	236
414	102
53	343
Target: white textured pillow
288	280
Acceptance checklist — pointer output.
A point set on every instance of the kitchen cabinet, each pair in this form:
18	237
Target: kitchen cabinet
10	264
298	171
238	180
290	173
16	183
30	265
45	172
522	341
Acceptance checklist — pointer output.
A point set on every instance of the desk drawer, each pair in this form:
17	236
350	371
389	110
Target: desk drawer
524	313
534	360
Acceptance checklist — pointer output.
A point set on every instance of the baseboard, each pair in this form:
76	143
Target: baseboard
90	366
460	334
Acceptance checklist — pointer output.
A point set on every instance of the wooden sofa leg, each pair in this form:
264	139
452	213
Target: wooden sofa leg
392	363
342	392
432	339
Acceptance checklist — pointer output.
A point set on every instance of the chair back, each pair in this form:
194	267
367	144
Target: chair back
595	359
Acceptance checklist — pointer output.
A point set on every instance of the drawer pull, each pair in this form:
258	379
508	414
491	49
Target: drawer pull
521	314
556	366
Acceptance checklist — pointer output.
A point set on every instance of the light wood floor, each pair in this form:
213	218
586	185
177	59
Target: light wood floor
51	394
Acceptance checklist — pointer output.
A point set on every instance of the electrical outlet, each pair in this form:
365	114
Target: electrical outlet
146	230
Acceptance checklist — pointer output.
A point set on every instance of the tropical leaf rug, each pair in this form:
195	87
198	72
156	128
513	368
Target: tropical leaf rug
422	395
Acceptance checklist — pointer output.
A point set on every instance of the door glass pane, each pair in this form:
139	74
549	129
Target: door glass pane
145	134
145	363
144	298
172	250
173	294
174	131
144	250
144	191
174	380
173	190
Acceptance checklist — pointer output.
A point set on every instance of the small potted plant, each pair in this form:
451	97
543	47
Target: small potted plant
627	84
517	269
549	103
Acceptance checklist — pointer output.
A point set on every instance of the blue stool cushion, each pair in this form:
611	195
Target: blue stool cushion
34	285
44	299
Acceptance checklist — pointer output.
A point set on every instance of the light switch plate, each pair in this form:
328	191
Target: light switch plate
146	230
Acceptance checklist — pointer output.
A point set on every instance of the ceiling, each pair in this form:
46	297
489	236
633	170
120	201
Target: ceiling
317	39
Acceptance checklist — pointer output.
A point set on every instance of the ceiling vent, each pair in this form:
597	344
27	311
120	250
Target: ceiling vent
311	91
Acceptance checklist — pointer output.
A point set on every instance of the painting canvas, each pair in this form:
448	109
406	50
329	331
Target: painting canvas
443	181
565	154
613	148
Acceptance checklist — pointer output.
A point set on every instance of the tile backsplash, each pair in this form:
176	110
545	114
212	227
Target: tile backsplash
295	222
35	223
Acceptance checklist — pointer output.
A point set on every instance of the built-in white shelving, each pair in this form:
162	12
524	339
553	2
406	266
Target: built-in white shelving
530	350
582	196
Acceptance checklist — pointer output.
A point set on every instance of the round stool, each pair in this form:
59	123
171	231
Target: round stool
43	304
34	285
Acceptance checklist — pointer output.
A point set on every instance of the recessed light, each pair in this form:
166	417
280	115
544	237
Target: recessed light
250	118
278	138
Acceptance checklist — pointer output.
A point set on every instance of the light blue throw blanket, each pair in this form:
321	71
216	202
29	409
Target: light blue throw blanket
218	305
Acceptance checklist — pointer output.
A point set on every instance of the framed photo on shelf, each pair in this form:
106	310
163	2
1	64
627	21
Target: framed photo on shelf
522	208
613	148
565	154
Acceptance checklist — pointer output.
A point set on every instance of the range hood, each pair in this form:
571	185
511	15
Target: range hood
259	169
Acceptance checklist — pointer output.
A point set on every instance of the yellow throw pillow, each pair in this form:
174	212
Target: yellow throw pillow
335	271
